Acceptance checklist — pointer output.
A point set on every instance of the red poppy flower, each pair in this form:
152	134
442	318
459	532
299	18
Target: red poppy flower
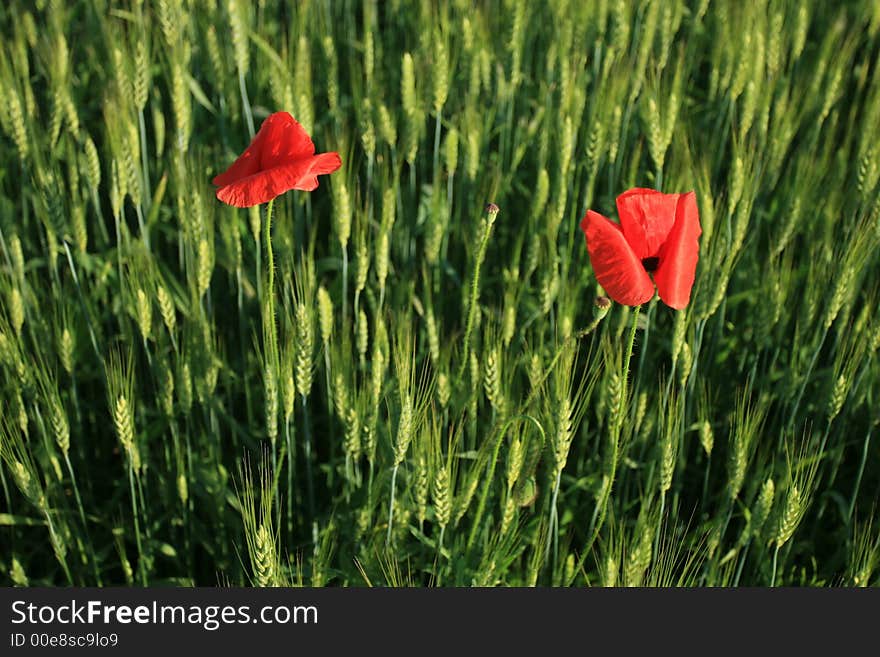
280	157
657	235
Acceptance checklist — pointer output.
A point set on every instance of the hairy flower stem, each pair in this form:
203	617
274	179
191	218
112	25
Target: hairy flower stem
475	289
270	263
270	348
259	267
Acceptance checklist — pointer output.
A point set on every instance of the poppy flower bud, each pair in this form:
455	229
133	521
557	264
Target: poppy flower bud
602	305
492	211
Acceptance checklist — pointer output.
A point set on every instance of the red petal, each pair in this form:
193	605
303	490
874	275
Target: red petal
266	185
325	163
280	140
646	217
617	268
678	258
247	164
321	163
286	141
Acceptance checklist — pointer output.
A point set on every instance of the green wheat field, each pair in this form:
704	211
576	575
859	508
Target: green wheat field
428	393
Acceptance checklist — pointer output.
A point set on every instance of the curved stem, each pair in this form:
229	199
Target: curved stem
569	342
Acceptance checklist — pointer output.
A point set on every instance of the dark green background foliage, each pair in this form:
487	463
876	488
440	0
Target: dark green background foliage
437	400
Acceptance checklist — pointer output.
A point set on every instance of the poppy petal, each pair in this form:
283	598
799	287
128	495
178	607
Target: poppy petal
325	163
646	217
617	268
678	259
321	163
286	141
266	185
247	164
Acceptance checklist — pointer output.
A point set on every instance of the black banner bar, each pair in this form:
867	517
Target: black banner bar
125	621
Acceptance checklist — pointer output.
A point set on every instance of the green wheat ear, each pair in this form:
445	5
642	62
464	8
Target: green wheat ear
452	410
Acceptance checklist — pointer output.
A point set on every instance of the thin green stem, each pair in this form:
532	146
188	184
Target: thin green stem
82	301
806	378
148	196
553	530
345	287
137	526
246	103
773	573
82	517
437	143
391	504
291	464
643	351
857	485
307	446
145	233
